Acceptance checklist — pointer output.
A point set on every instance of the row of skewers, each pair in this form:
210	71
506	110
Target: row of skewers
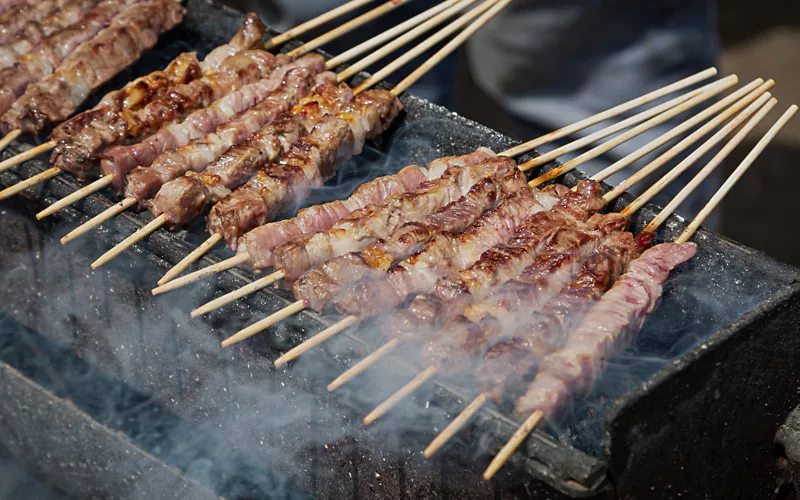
535	287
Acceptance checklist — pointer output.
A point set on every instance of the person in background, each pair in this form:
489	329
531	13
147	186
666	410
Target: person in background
542	64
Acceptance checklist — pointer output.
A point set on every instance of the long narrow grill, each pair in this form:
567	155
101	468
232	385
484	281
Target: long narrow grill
110	318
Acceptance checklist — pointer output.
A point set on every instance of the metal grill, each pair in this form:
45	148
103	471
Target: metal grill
663	432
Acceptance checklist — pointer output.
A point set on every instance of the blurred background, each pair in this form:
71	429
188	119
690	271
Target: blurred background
545	63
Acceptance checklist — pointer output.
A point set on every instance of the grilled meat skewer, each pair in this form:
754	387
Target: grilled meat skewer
220	95
607	327
53	51
93	63
283	88
311	161
362	227
79	139
320	285
260	242
23	30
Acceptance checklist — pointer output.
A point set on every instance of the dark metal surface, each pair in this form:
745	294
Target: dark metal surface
109	319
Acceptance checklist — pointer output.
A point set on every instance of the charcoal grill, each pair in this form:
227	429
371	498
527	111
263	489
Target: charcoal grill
691	409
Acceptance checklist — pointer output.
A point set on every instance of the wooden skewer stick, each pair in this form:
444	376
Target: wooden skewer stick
239	258
669	154
316	22
610	113
130	240
80	194
533	420
456	425
26	155
362	365
398	396
736	175
316	340
488	13
413	34
706	171
265	323
192	256
681	167
486	10
346	28
692	122
511	446
448	48
628	122
98	219
388	35
719	86
9	138
238	293
29	182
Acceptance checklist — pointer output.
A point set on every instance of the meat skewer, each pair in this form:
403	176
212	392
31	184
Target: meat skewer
284	184
305	300
130	201
419	323
23	30
104	180
194	255
91	64
97	185
280	274
90	132
235	215
541	329
55	49
390	48
464	417
632	300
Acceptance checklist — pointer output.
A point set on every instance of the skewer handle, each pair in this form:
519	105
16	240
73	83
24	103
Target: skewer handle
511	446
687	162
29	182
239	258
9	138
238	293
380	39
26	155
187	261
736	175
389	48
265	323
744	95
401	394
610	113
316	340
130	241
431	41
456	425
713	90
98	219
80	194
684	193
317	21
362	365
345	28
449	48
